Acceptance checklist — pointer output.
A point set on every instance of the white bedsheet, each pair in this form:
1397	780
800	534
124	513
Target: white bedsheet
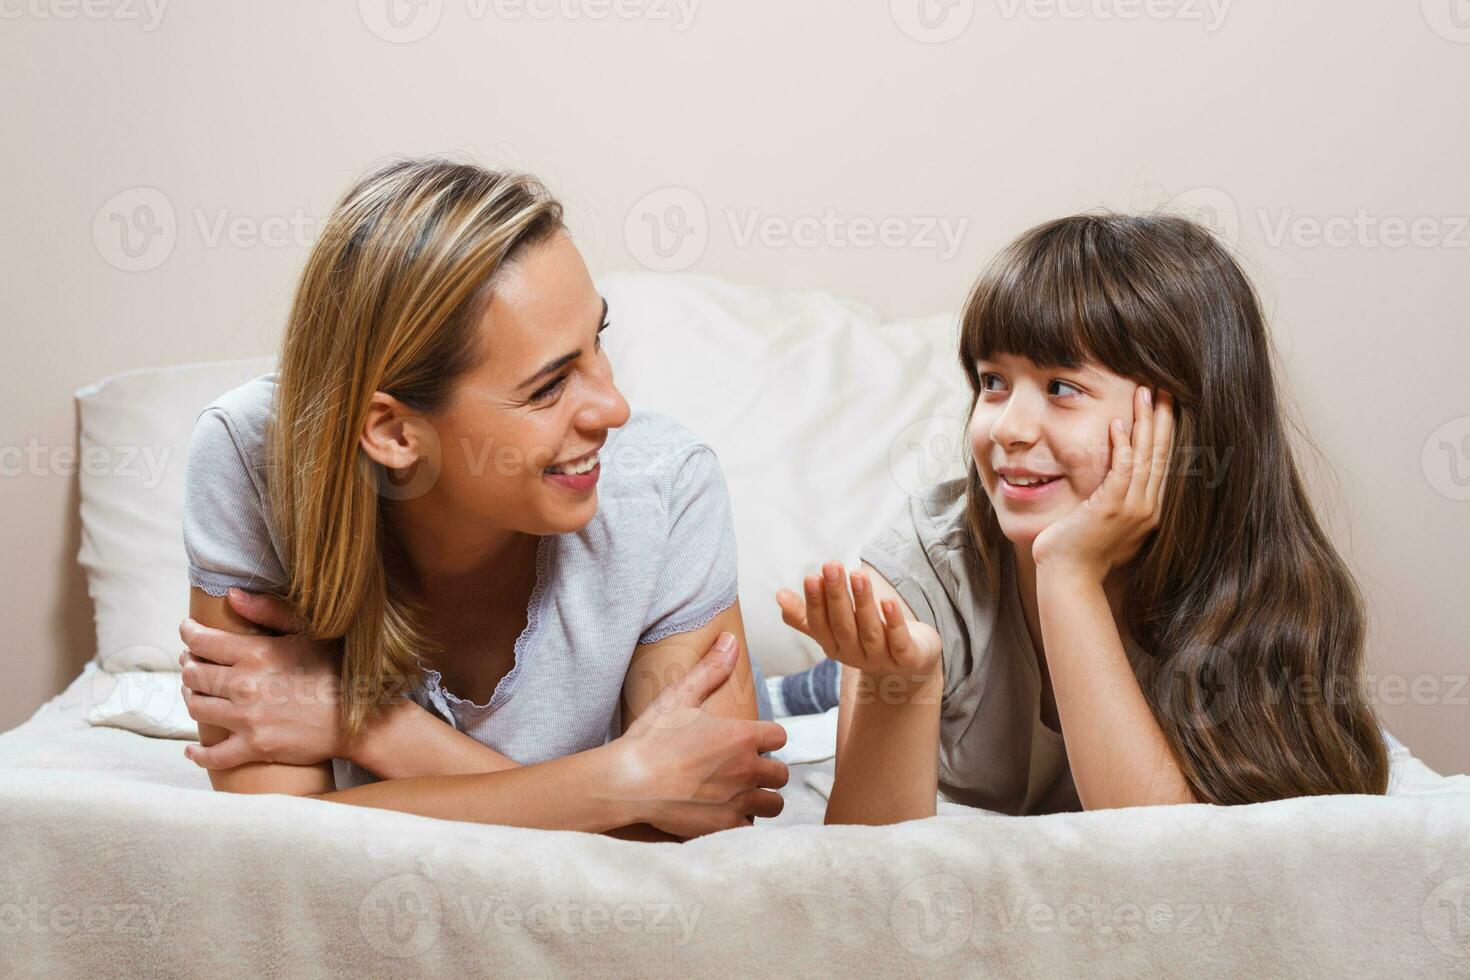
119	860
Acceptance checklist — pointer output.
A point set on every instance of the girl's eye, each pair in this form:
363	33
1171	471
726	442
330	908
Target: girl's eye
1071	390
605	325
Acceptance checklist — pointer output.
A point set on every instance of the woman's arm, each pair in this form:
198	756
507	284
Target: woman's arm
657	665
688	774
887	766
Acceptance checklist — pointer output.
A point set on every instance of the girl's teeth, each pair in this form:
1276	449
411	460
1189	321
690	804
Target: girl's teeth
1027	481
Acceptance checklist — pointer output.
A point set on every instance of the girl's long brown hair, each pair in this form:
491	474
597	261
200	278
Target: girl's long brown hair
390	300
1253	623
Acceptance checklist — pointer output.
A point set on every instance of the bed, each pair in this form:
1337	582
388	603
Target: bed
119	859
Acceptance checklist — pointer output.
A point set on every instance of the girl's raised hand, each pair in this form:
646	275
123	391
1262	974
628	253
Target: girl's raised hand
850	628
1107	529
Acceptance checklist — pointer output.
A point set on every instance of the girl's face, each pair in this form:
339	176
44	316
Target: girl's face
1051	423
538	407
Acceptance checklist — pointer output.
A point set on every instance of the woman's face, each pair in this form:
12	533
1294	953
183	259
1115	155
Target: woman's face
534	413
1048	421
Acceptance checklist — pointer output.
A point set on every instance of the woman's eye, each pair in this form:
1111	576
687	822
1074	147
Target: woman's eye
542	394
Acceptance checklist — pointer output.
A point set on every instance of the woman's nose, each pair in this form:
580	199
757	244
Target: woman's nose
605	408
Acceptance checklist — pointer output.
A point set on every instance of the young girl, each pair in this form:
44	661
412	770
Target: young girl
1127	599
514	631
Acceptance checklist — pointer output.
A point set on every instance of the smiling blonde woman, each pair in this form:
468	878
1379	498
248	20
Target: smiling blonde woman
449	510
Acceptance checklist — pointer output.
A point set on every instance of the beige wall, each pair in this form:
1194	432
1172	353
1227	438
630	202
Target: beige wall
1270	116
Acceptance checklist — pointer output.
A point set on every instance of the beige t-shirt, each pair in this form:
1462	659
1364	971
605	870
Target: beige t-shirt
995	752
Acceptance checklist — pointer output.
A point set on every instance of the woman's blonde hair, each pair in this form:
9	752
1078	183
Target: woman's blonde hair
1253	623
390	300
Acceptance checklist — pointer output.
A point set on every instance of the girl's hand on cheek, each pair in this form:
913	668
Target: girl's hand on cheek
1107	529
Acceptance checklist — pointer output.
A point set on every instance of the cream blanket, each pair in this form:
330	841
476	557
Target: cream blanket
119	861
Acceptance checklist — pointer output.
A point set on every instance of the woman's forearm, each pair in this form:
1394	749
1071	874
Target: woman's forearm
583	792
1115	748
406	741
887	767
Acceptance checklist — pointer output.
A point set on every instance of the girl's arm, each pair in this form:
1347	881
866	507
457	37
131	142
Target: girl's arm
1115	748
892	680
689	775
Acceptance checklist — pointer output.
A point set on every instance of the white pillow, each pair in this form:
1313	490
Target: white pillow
823	417
135	430
148	702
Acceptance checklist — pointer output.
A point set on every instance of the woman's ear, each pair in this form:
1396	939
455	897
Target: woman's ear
394	436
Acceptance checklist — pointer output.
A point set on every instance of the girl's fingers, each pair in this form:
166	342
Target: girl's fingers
1163	450
839	606
816	614
793	611
1141	445
1120	469
869	624
900	644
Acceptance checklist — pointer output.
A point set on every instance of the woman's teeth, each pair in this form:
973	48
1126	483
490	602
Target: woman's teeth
574	469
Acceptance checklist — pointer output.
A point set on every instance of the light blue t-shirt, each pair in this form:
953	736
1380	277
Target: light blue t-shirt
657	559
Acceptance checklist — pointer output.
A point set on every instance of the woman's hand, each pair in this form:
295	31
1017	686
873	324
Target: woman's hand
1106	530
850	630
277	695
691	772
